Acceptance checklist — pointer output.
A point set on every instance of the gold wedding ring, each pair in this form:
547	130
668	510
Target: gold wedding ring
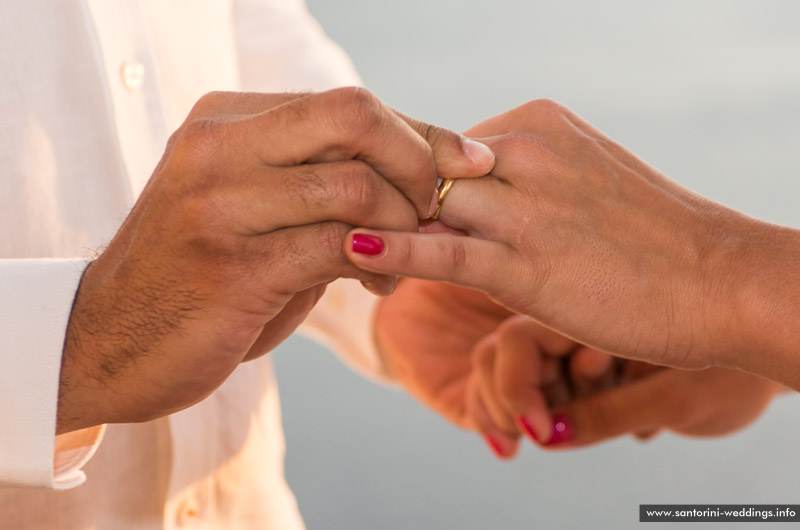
442	190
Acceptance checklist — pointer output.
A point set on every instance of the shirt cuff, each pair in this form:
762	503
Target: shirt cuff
72	451
36	297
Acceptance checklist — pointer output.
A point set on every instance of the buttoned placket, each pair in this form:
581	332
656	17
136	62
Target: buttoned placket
132	74
134	97
132	86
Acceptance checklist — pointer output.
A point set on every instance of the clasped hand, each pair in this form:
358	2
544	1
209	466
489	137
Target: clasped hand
234	238
246	219
505	376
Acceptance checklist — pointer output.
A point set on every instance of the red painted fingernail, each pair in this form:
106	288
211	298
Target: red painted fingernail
527	427
493	444
562	430
366	244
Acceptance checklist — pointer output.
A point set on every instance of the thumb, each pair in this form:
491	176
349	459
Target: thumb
641	406
456	156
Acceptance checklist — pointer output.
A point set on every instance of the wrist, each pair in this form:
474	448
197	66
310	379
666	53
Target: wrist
78	403
761	324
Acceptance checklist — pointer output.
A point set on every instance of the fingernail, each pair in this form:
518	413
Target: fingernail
367	244
562	430
494	445
527	427
434	203
478	152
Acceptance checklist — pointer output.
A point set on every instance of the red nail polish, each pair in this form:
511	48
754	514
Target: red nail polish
562	430
366	244
527	427
496	448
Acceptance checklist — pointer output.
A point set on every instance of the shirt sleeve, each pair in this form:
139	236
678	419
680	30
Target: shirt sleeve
283	48
343	321
36	298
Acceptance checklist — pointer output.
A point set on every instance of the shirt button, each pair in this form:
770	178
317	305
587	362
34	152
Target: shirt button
132	75
188	512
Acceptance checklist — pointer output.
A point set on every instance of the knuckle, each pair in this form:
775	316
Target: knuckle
300	108
315	252
197	143
330	240
438	137
405	255
456	254
190	171
538	151
549	114
514	327
209	103
514	395
430	133
307	187
529	145
357	111
358	187
546	106
483	356
368	198
351	186
526	146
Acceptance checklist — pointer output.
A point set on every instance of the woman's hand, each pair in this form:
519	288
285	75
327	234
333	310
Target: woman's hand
578	233
592	400
711	402
504	375
438	341
234	239
426	333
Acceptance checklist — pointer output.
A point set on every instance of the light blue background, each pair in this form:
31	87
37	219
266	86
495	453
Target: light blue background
706	91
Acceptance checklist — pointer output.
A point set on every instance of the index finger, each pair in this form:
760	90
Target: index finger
352	123
522	346
449	149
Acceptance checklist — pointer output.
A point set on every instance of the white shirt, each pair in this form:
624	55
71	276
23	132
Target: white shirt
89	92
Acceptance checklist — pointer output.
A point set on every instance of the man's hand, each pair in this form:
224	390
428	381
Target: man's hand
234	239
